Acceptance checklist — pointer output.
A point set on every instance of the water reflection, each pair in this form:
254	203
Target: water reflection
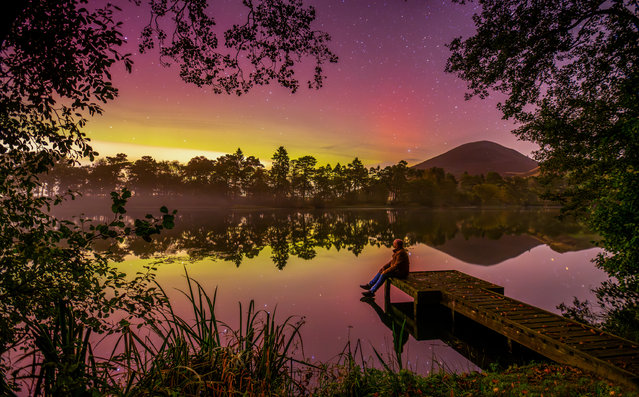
475	237
325	255
478	344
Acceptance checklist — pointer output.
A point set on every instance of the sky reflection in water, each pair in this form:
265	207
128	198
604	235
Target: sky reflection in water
538	259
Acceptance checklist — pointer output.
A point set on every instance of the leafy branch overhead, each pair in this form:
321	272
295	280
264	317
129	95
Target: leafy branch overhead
56	60
275	36
570	72
531	50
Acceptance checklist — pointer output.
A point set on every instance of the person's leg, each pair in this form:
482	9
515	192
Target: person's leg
374	280
368	286
379	282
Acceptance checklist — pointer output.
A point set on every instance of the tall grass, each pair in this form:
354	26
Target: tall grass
61	361
193	356
187	356
352	375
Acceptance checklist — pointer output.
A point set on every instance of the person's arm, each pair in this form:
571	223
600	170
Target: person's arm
390	266
381	269
402	258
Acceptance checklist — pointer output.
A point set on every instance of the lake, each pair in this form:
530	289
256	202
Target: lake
310	264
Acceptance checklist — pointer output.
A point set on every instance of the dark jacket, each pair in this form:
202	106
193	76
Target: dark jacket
398	265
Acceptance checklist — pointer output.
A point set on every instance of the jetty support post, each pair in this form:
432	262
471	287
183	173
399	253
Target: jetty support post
387	290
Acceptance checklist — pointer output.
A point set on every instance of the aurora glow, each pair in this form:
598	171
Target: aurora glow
386	100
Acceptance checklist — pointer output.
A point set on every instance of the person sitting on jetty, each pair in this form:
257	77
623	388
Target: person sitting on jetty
397	267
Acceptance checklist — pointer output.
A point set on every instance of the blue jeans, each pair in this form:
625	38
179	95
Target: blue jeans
377	281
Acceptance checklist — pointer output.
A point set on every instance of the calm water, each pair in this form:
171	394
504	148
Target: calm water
310	263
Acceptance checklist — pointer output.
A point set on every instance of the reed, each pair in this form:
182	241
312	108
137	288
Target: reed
61	361
194	357
191	357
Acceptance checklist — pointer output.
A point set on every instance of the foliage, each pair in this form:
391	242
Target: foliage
197	356
570	73
55	67
302	172
278	174
570	76
194	357
62	359
234	178
616	311
57	290
55	73
275	35
535	380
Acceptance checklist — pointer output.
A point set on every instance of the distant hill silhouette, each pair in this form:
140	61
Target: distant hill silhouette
488	252
480	158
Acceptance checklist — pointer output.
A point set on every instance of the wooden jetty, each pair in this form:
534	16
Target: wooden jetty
560	339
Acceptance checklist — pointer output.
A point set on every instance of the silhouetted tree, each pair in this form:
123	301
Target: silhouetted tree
106	175
258	184
494	178
278	175
169	177
302	171
569	70
340	182
143	175
198	174
357	175
395	178
323	180
245	179
236	172
56	58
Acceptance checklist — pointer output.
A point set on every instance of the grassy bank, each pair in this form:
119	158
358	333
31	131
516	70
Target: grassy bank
531	380
200	355
257	359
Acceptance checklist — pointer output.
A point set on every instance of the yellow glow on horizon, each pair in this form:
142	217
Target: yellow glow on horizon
180	136
168	141
135	151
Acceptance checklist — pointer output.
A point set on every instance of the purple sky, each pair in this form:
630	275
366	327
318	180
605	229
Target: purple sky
386	100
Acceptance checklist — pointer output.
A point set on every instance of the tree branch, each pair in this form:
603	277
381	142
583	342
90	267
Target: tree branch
11	10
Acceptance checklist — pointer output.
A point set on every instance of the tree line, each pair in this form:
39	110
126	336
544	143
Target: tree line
236	178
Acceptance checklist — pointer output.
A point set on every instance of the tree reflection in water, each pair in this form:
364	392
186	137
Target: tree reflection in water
478	237
471	235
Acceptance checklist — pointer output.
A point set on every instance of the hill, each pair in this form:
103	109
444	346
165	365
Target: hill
480	158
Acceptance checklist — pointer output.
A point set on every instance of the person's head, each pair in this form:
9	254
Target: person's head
398	243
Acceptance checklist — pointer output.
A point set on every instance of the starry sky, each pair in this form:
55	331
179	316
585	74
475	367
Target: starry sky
387	99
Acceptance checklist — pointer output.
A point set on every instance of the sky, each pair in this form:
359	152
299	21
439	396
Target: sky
387	99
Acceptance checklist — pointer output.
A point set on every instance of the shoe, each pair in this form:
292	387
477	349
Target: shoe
368	294
365	286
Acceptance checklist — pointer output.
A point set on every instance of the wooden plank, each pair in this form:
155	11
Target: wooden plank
477	298
547	333
514	316
572	333
534	326
522	312
602	344
600	341
536	319
590	338
626	363
612	354
568	331
504	306
550	348
561	328
531	317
